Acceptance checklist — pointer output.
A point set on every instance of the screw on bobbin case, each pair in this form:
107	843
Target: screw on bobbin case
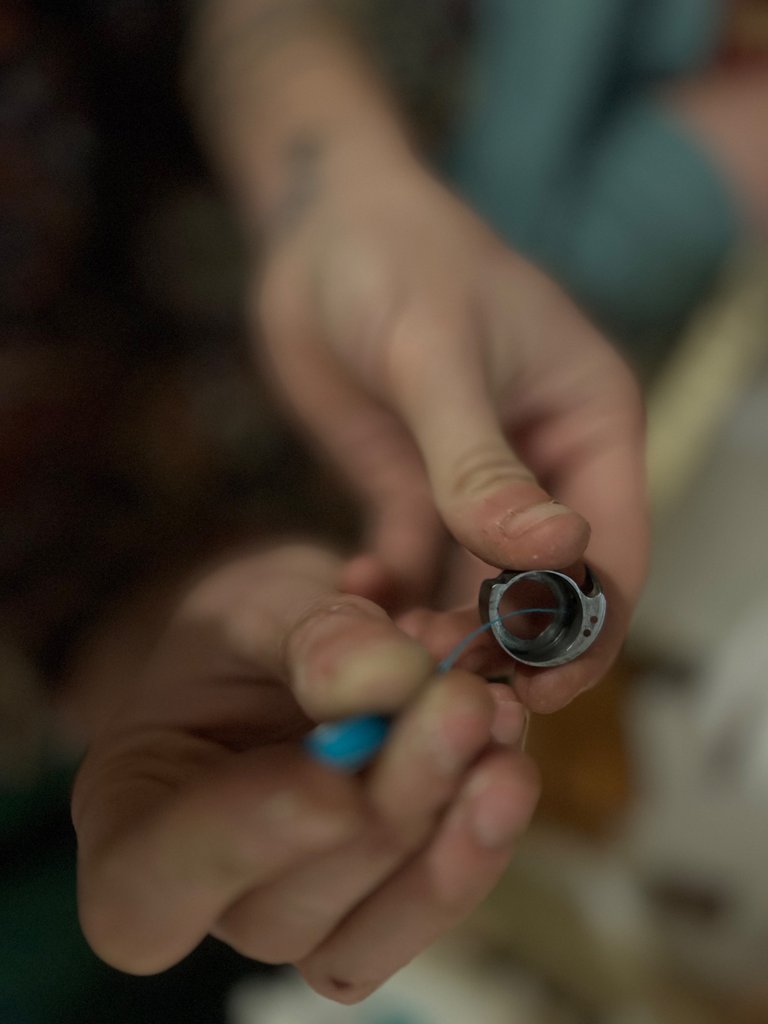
578	614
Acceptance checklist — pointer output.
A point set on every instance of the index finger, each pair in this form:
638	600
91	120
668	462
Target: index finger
279	620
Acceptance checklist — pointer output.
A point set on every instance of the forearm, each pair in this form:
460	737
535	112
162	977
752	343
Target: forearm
284	94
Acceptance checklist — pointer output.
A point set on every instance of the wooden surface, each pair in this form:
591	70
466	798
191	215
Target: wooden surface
585	771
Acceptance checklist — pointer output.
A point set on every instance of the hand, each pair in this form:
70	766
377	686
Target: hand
445	373
197	809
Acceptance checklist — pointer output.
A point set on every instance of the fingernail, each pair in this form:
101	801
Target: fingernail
510	725
515	524
380	678
494	823
380	674
520	745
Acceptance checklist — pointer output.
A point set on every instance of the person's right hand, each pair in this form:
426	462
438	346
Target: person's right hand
198	809
453	381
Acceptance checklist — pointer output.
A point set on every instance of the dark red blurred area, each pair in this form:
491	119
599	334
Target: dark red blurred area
135	435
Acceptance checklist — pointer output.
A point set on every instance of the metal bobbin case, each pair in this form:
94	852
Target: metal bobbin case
579	614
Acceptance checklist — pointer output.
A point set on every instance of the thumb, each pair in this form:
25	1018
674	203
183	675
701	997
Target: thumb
489	500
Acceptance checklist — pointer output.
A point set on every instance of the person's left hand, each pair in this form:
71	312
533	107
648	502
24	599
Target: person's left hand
198	810
447	376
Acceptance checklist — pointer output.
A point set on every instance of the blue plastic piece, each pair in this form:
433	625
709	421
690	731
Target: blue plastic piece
350	744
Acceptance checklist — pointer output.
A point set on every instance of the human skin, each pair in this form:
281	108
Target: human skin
457	387
454	384
198	811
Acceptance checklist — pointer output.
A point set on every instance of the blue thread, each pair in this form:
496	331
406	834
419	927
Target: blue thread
350	744
450	660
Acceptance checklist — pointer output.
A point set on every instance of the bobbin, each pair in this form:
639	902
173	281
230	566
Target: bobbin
578	616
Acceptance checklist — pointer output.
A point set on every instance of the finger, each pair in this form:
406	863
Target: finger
510	720
463	577
344	656
404	545
381	463
539	690
586	434
434	891
444	635
488	498
367	576
161	857
547	690
416	777
404	530
376	456
574	413
419	770
280	617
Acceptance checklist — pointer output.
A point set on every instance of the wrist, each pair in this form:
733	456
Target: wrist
325	166
295	112
278	171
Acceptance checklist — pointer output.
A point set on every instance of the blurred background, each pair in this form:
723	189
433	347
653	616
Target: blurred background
138	437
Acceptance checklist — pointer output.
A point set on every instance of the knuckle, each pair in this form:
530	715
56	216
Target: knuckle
483	469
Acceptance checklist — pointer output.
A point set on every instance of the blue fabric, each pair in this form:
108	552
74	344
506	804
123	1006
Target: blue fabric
564	148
